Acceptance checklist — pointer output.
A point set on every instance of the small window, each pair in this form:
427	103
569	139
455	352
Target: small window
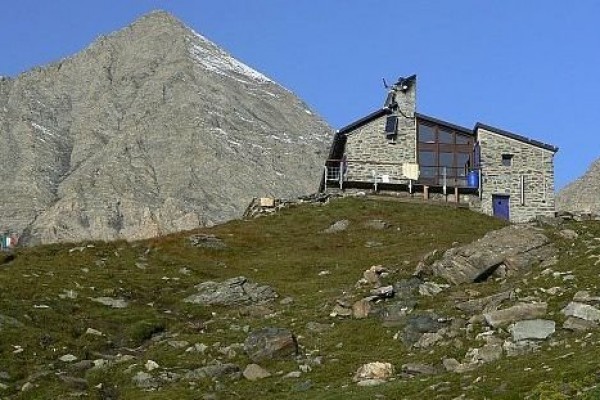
507	160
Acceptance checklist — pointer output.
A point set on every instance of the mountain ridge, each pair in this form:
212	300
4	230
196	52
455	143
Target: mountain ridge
581	195
149	130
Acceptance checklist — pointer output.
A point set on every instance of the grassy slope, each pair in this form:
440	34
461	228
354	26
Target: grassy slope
286	251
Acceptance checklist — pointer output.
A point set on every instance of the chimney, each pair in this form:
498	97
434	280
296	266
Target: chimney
402	96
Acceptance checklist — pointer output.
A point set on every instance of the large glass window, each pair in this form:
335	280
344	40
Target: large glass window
444	152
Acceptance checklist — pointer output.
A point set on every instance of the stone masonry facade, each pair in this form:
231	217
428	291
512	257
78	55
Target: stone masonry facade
368	149
531	166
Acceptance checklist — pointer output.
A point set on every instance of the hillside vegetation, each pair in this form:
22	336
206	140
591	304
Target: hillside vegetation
61	337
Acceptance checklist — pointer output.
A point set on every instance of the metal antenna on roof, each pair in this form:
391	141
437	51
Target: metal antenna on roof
385	85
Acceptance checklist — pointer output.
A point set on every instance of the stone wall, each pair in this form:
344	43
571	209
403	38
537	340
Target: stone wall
534	163
368	149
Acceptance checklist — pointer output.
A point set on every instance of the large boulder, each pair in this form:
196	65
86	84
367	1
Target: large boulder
516	247
234	291
515	313
271	343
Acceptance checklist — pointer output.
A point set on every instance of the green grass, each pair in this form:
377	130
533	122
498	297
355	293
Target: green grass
287	251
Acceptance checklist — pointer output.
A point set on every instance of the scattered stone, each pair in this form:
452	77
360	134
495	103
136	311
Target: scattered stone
111	302
489	303
271	343
452	365
583	296
144	380
578	324
377	224
68	358
485	354
9	322
431	288
317	327
583	311
532	329
234	291
93	332
414	369
213	371
361	309
254	372
303	386
286	300
197	348
379	371
568	234
515	313
293	375
151	365
178	344
373	274
383	292
341	309
338	226
206	241
417	325
523	347
26	386
394	314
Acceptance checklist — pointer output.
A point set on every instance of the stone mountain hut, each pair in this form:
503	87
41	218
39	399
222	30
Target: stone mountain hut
396	149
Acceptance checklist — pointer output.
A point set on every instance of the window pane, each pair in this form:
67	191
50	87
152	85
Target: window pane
445	136
426	134
446	160
462	159
427	158
460	139
428	172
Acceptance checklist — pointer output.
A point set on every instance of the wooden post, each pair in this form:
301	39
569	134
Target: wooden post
456	198
426	192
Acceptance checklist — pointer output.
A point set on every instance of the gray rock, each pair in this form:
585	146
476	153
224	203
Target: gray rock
271	343
215	370
417	325
431	288
583	296
517	247
578	324
488	303
234	291
515	313
145	381
383	292
568	234
532	329
583	311
111	302
394	314
487	353
413	369
149	131
206	241
254	372
376	224
520	348
6	321
361	308
338	226
379	371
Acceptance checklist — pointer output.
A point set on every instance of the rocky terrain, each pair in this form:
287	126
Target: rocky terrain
583	195
152	129
355	298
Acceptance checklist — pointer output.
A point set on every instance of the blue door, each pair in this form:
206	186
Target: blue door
500	206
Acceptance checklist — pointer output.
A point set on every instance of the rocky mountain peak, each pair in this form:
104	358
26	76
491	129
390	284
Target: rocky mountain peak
581	196
150	130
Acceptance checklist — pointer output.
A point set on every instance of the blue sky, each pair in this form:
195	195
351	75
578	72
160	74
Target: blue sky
531	67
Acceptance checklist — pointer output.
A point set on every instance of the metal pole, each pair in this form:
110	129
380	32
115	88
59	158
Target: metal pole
325	179
444	169
341	175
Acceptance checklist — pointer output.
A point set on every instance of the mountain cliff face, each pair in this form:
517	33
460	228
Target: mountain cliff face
150	130
582	195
